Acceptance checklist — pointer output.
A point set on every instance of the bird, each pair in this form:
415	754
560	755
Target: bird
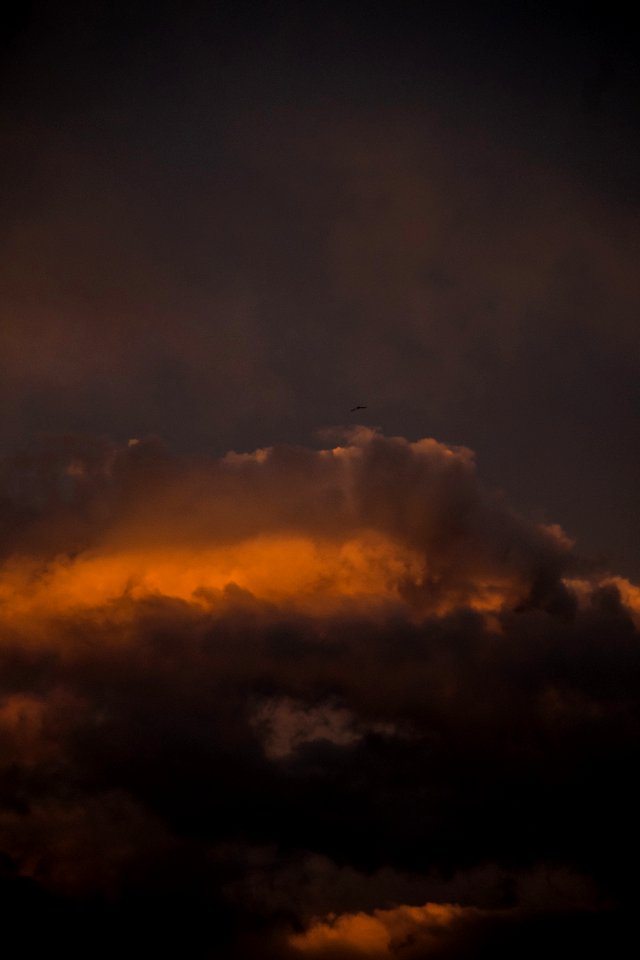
358	407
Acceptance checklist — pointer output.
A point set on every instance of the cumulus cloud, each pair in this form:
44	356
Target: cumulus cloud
293	696
376	518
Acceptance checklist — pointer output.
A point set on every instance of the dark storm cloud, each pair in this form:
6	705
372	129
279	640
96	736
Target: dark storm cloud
228	767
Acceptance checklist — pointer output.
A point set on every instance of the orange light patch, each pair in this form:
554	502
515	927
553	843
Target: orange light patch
271	568
380	934
629	592
310	574
365	572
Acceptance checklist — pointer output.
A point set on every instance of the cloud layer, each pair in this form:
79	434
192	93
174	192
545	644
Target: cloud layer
340	702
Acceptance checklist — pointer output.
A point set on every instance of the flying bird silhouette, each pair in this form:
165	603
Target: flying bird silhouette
359	407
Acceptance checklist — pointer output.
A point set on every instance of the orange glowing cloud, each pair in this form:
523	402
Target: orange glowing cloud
582	589
311	574
297	568
376	522
383	933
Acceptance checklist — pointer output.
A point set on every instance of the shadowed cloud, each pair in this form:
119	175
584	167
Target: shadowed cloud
308	692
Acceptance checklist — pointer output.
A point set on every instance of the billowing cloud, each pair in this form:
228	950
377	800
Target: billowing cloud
378	519
309	702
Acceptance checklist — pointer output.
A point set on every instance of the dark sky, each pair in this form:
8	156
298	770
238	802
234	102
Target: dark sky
226	224
341	697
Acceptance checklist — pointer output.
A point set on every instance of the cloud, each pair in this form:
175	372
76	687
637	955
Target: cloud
286	725
384	934
377	519
307	692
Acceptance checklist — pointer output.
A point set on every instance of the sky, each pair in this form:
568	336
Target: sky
281	678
